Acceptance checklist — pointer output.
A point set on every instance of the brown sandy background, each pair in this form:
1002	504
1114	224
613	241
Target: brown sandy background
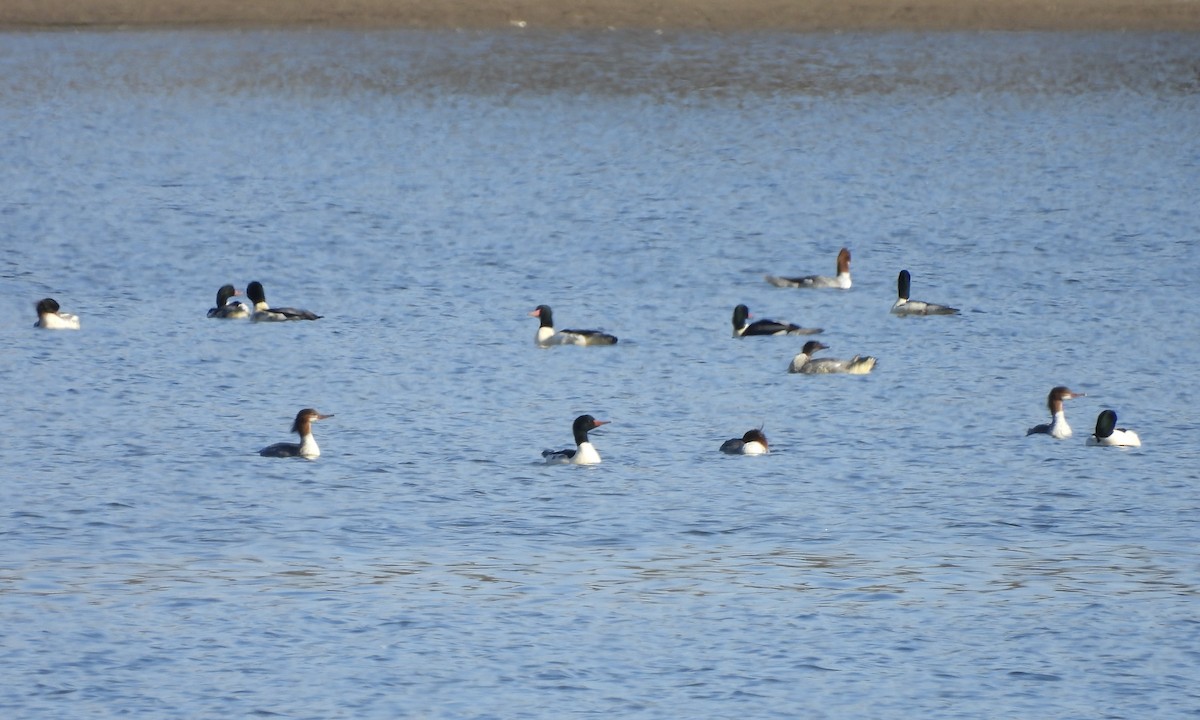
794	15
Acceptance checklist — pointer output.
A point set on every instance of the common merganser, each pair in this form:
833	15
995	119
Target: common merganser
904	306
229	310
265	313
754	442
584	452
804	362
1109	435
842	280
765	327
1057	427
50	318
547	336
307	447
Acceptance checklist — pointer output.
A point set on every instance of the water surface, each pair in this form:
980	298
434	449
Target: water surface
903	550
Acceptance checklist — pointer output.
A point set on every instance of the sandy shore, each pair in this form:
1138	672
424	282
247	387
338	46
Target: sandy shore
793	15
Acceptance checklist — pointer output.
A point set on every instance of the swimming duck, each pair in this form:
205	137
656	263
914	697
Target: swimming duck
1107	433
547	336
804	362
765	327
841	280
904	306
229	310
753	442
1057	427
302	426
265	313
50	317
584	453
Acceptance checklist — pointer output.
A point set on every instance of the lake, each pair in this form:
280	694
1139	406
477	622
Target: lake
904	550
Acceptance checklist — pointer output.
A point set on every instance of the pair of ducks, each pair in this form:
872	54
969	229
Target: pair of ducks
903	305
584	453
228	309
754	442
1107	434
547	336
803	362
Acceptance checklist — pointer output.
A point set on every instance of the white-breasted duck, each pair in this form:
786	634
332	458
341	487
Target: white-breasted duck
841	280
547	336
1057	427
51	318
302	426
1107	433
584	453
753	442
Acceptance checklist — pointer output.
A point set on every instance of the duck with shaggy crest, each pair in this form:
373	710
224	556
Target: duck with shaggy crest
307	447
1057	428
841	280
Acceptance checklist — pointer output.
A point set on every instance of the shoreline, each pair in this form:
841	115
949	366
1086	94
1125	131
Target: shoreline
702	15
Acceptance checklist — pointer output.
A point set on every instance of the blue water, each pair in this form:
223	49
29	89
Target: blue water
904	551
